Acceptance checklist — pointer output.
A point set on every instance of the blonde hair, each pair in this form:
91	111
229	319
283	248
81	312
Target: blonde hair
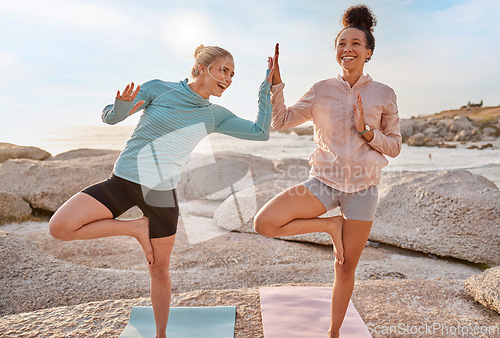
207	56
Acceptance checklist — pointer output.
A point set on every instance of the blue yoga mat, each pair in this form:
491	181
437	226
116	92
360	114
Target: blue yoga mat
184	322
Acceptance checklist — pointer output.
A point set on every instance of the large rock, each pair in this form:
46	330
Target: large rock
450	213
238	210
13	208
463	135
407	128
48	184
460	124
417	140
489	131
485	288
420	125
218	176
9	150
431	130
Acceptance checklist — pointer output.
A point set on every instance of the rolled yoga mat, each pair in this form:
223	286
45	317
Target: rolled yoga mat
304	311
184	322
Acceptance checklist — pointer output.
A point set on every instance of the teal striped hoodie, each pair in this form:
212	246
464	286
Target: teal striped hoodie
175	119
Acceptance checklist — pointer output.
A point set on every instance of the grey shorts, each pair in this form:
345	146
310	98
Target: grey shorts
359	206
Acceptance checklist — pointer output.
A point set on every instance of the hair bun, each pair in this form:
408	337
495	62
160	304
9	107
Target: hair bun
359	15
198	50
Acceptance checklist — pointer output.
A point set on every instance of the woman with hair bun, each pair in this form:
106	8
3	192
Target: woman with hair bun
355	123
176	117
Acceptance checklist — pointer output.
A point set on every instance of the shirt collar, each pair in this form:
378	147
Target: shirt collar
197	98
364	79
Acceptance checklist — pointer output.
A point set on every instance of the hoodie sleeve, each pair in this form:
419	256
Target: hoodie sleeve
388	139
120	110
288	117
232	125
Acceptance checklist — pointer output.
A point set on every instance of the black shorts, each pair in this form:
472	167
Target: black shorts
119	195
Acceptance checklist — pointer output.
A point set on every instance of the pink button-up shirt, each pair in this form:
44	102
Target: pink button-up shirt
344	160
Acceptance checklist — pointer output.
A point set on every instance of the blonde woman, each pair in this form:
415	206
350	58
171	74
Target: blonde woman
176	117
356	123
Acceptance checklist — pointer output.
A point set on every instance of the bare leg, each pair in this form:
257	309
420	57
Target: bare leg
295	211
161	285
84	217
354	237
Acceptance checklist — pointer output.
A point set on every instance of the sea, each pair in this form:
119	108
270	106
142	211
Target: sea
484	162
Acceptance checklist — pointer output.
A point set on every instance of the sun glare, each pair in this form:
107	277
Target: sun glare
185	30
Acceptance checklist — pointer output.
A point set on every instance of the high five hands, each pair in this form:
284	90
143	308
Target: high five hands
274	76
129	95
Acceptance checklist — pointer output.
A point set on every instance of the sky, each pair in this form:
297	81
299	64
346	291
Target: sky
62	61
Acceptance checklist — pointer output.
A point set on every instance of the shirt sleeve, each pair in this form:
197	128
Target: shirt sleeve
232	125
120	110
388	139
288	117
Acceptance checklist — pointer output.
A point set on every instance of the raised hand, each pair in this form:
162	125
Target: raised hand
270	66
276	74
359	118
129	95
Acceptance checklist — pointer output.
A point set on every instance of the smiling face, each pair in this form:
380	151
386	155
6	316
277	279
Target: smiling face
217	77
351	50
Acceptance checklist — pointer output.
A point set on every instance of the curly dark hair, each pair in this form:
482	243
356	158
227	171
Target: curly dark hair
362	18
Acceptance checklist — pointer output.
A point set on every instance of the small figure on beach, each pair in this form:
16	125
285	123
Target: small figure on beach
356	123
176	117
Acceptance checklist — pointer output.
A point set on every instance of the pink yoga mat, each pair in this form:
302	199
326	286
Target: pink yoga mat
304	312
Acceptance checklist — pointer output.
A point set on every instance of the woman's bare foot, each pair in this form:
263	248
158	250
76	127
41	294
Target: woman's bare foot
335	232
142	236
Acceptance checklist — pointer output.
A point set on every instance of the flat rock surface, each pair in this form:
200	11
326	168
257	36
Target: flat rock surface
437	308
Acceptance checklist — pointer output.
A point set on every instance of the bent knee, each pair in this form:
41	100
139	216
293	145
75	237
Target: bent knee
59	229
263	225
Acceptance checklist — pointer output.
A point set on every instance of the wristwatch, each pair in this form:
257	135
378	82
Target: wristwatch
367	128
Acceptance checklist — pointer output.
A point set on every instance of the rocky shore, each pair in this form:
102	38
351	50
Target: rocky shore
438	131
445	129
433	249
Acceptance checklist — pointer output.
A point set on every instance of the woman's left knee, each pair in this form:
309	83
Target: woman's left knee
347	268
159	271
